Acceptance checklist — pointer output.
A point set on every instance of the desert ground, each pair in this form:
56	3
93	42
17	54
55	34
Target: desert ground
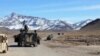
58	46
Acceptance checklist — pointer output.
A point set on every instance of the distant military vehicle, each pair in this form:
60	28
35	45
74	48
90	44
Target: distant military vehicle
27	39
49	37
24	38
3	43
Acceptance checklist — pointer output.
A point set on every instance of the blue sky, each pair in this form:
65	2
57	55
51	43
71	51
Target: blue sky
70	10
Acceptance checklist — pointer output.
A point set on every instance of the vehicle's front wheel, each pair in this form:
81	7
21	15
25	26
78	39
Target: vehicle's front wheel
35	45
18	44
23	44
6	49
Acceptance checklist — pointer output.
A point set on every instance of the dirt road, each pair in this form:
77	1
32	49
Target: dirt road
41	50
44	50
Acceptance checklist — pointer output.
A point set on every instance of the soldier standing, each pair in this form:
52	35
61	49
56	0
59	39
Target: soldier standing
36	37
25	26
35	33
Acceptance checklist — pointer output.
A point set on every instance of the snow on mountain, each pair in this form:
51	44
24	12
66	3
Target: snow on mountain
59	25
14	21
79	25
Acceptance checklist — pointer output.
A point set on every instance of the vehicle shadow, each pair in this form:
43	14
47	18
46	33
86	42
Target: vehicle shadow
2	53
17	46
14	46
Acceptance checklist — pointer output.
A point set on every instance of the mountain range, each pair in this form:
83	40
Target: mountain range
14	21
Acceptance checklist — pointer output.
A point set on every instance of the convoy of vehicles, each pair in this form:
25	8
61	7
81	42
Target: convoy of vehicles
24	38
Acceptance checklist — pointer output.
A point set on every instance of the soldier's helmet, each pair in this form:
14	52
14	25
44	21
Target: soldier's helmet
21	30
35	30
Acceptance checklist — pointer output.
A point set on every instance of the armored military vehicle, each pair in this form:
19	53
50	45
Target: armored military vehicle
24	38
3	43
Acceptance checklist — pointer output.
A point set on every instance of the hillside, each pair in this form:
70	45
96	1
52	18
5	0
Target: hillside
94	25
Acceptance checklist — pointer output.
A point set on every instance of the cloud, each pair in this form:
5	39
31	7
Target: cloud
93	7
80	8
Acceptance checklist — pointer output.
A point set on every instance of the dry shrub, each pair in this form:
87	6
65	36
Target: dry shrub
78	37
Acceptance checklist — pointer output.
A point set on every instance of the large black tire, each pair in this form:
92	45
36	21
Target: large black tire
23	44
18	44
5	51
35	45
38	41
